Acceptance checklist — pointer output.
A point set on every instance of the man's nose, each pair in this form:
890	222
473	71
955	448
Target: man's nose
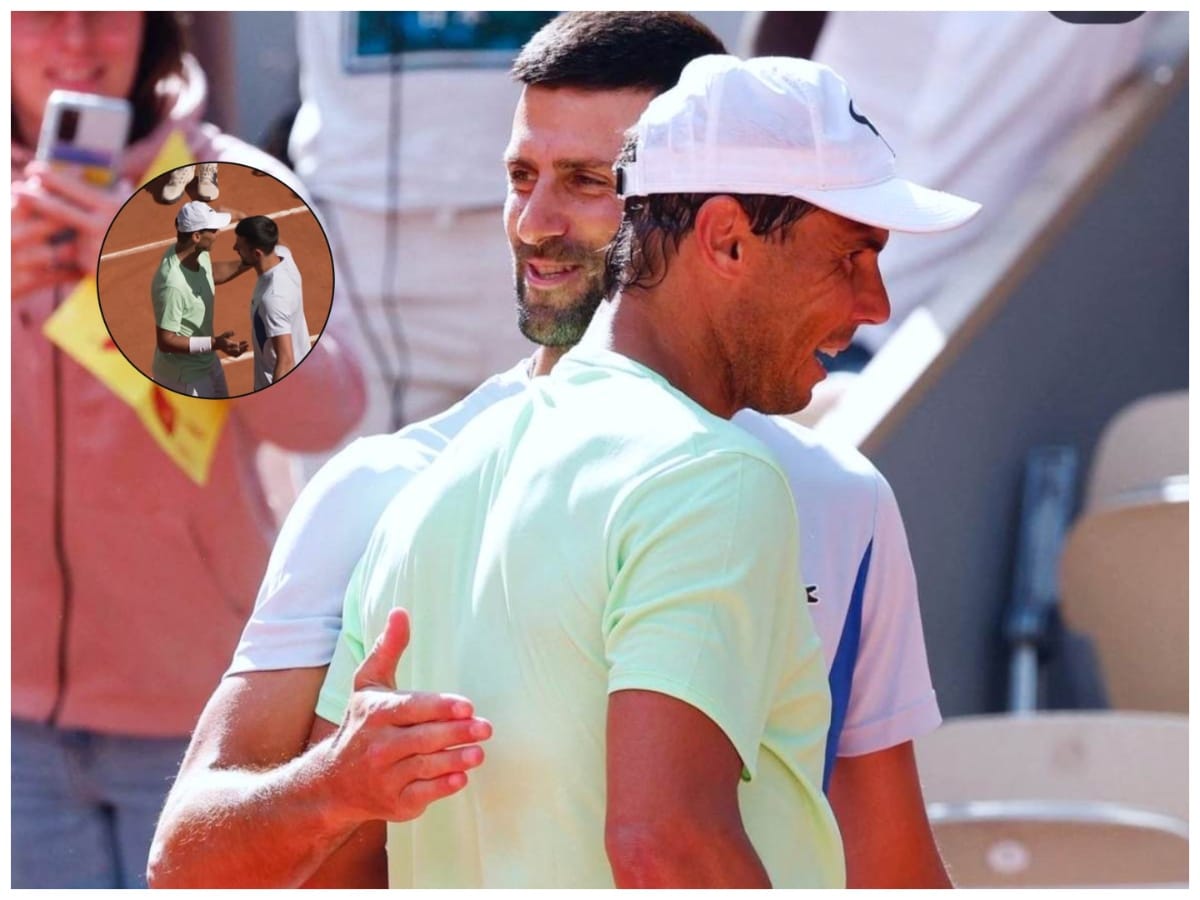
541	216
871	301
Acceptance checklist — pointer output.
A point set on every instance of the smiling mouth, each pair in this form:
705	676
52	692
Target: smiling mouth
75	75
548	275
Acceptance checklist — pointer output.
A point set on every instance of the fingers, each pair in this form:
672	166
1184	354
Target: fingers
434	737
379	667
418	795
91	199
224	336
32	233
48	204
416	708
441	774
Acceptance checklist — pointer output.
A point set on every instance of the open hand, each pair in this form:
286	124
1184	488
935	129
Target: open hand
397	751
223	343
79	212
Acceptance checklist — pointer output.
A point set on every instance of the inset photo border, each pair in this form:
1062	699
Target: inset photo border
215	280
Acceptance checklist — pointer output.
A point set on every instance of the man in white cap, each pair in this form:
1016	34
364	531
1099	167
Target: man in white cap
606	565
183	291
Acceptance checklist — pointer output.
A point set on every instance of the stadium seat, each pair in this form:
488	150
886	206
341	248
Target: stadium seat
1144	443
1124	583
1059	799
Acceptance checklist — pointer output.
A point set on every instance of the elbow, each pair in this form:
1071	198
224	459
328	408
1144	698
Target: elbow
682	851
158	873
640	854
668	852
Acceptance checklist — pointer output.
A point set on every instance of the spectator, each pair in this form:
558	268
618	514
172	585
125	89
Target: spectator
129	582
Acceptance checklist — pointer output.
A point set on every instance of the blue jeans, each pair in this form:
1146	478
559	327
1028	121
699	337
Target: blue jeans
84	805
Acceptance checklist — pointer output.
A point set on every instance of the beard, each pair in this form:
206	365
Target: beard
558	317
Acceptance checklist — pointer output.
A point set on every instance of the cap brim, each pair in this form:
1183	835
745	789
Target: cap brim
222	219
897	205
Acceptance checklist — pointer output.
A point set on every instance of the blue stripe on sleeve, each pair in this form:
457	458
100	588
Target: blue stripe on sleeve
841	673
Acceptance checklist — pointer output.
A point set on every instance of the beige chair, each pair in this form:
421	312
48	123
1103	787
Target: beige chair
1144	443
1124	583
1059	799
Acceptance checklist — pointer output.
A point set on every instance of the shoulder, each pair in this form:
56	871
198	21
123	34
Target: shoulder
363	475
816	468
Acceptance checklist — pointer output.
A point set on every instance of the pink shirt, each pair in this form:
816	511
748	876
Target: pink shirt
130	583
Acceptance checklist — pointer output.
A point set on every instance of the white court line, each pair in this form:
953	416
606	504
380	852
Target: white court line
157	245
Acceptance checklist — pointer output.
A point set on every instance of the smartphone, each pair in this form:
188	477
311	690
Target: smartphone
85	133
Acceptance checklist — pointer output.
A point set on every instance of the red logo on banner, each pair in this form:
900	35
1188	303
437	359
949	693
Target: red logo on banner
164	410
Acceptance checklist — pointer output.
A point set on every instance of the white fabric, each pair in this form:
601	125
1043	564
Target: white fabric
450	125
847	506
197	215
430	322
971	103
276	309
780	126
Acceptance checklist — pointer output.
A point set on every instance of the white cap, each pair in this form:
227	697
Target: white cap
199	216
779	126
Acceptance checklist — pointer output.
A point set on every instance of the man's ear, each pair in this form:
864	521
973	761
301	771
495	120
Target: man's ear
722	230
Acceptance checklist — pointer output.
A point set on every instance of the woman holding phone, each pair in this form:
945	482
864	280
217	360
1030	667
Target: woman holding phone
130	583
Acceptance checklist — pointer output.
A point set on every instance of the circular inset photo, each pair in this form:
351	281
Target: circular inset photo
215	280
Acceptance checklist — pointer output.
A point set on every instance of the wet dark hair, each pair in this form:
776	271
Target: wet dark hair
259	231
653	227
614	50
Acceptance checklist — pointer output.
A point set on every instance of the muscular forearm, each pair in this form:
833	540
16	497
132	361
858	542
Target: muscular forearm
246	828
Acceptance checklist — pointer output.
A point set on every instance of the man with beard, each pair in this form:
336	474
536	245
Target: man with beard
240	814
277	306
605	563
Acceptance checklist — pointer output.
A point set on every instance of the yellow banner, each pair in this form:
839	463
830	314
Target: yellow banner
187	428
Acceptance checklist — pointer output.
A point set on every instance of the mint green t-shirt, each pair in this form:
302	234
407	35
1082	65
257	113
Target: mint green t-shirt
600	532
183	303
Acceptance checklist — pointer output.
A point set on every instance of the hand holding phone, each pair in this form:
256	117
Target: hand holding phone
85	134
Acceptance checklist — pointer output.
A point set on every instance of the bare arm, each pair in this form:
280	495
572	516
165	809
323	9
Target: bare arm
170	342
227	270
250	809
673	818
881	813
285	360
242	810
360	861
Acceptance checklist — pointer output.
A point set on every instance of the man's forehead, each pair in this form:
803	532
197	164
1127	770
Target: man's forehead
583	125
854	230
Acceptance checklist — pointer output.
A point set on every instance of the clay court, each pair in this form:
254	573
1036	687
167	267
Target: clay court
145	227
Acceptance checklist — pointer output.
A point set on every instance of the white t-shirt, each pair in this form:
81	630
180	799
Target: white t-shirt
277	309
971	102
853	552
367	80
